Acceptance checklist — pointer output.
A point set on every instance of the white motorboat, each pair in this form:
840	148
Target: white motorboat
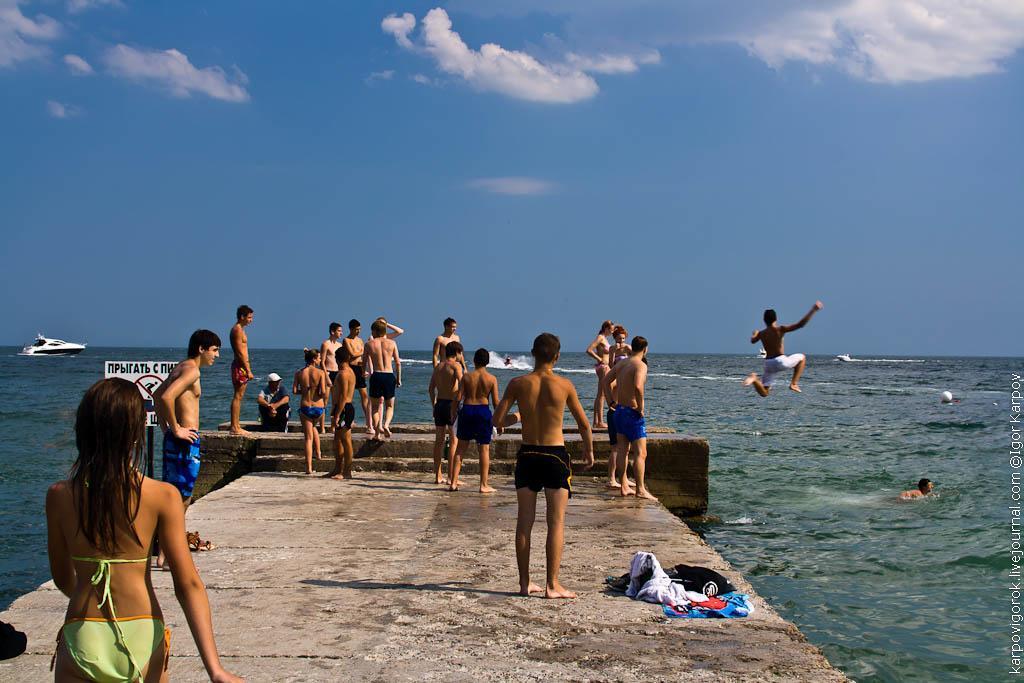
845	357
762	353
43	346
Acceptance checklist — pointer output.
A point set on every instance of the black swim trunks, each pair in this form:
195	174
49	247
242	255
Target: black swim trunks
332	375
360	378
347	416
443	413
610	419
543	467
382	385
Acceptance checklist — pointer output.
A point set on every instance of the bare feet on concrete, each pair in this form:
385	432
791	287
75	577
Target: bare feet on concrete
558	592
644	493
487	489
532	588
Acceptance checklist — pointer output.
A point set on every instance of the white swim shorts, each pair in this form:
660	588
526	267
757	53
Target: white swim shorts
773	366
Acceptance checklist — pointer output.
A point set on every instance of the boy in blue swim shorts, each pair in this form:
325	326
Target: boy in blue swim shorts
478	392
176	402
629	377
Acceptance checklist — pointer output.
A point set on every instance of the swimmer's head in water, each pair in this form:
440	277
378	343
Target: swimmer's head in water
481	358
925	486
769	316
546	347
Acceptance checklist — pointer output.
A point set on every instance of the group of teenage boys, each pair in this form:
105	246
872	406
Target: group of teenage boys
338	369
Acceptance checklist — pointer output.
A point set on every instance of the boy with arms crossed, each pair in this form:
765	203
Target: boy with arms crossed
476	389
542	461
443	391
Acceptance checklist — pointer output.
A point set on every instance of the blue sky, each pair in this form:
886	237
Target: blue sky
670	166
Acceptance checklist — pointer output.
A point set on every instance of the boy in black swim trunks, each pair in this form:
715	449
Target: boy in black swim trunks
543	462
443	391
343	413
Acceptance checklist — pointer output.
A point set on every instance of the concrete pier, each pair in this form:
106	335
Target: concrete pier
389	578
677	464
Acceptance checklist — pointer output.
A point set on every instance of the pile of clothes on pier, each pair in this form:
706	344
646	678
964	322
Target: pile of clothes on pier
682	591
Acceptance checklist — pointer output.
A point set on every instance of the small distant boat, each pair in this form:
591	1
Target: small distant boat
51	347
762	353
845	357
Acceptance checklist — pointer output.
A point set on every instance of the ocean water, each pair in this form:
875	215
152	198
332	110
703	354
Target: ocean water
805	487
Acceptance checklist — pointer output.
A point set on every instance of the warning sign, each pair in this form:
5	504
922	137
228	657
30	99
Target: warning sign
146	375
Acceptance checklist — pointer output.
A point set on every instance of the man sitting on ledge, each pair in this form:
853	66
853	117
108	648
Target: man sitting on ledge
274	408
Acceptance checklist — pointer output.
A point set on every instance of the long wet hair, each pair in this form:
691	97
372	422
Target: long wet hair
109	429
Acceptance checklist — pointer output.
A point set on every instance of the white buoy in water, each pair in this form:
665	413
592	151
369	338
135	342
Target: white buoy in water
947	396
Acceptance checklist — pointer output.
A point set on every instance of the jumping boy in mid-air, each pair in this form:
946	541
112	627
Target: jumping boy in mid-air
475	390
444	391
542	461
776	360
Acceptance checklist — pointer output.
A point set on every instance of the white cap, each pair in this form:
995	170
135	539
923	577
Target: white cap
273	377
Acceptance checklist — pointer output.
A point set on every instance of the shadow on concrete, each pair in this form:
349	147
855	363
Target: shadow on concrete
366	584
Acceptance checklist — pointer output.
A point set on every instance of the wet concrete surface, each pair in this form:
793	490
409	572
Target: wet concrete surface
390	578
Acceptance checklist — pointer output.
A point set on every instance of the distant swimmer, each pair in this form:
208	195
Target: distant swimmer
776	361
629	378
445	338
444	393
599	350
241	370
924	487
620	349
311	383
543	462
176	402
384	368
475	391
343	414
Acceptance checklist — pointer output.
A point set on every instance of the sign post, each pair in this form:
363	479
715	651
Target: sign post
147	376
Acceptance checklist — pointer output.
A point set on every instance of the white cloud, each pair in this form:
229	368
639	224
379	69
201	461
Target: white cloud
21	38
400	28
385	75
887	41
513	185
896	41
612	63
79	6
78	66
493	68
421	79
172	69
61	111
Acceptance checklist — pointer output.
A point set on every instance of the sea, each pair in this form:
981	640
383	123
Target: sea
804	487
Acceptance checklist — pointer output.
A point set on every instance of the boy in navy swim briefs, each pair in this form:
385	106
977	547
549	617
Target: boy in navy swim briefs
478	388
628	378
543	462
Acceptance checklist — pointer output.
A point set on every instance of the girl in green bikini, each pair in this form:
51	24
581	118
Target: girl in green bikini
101	523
